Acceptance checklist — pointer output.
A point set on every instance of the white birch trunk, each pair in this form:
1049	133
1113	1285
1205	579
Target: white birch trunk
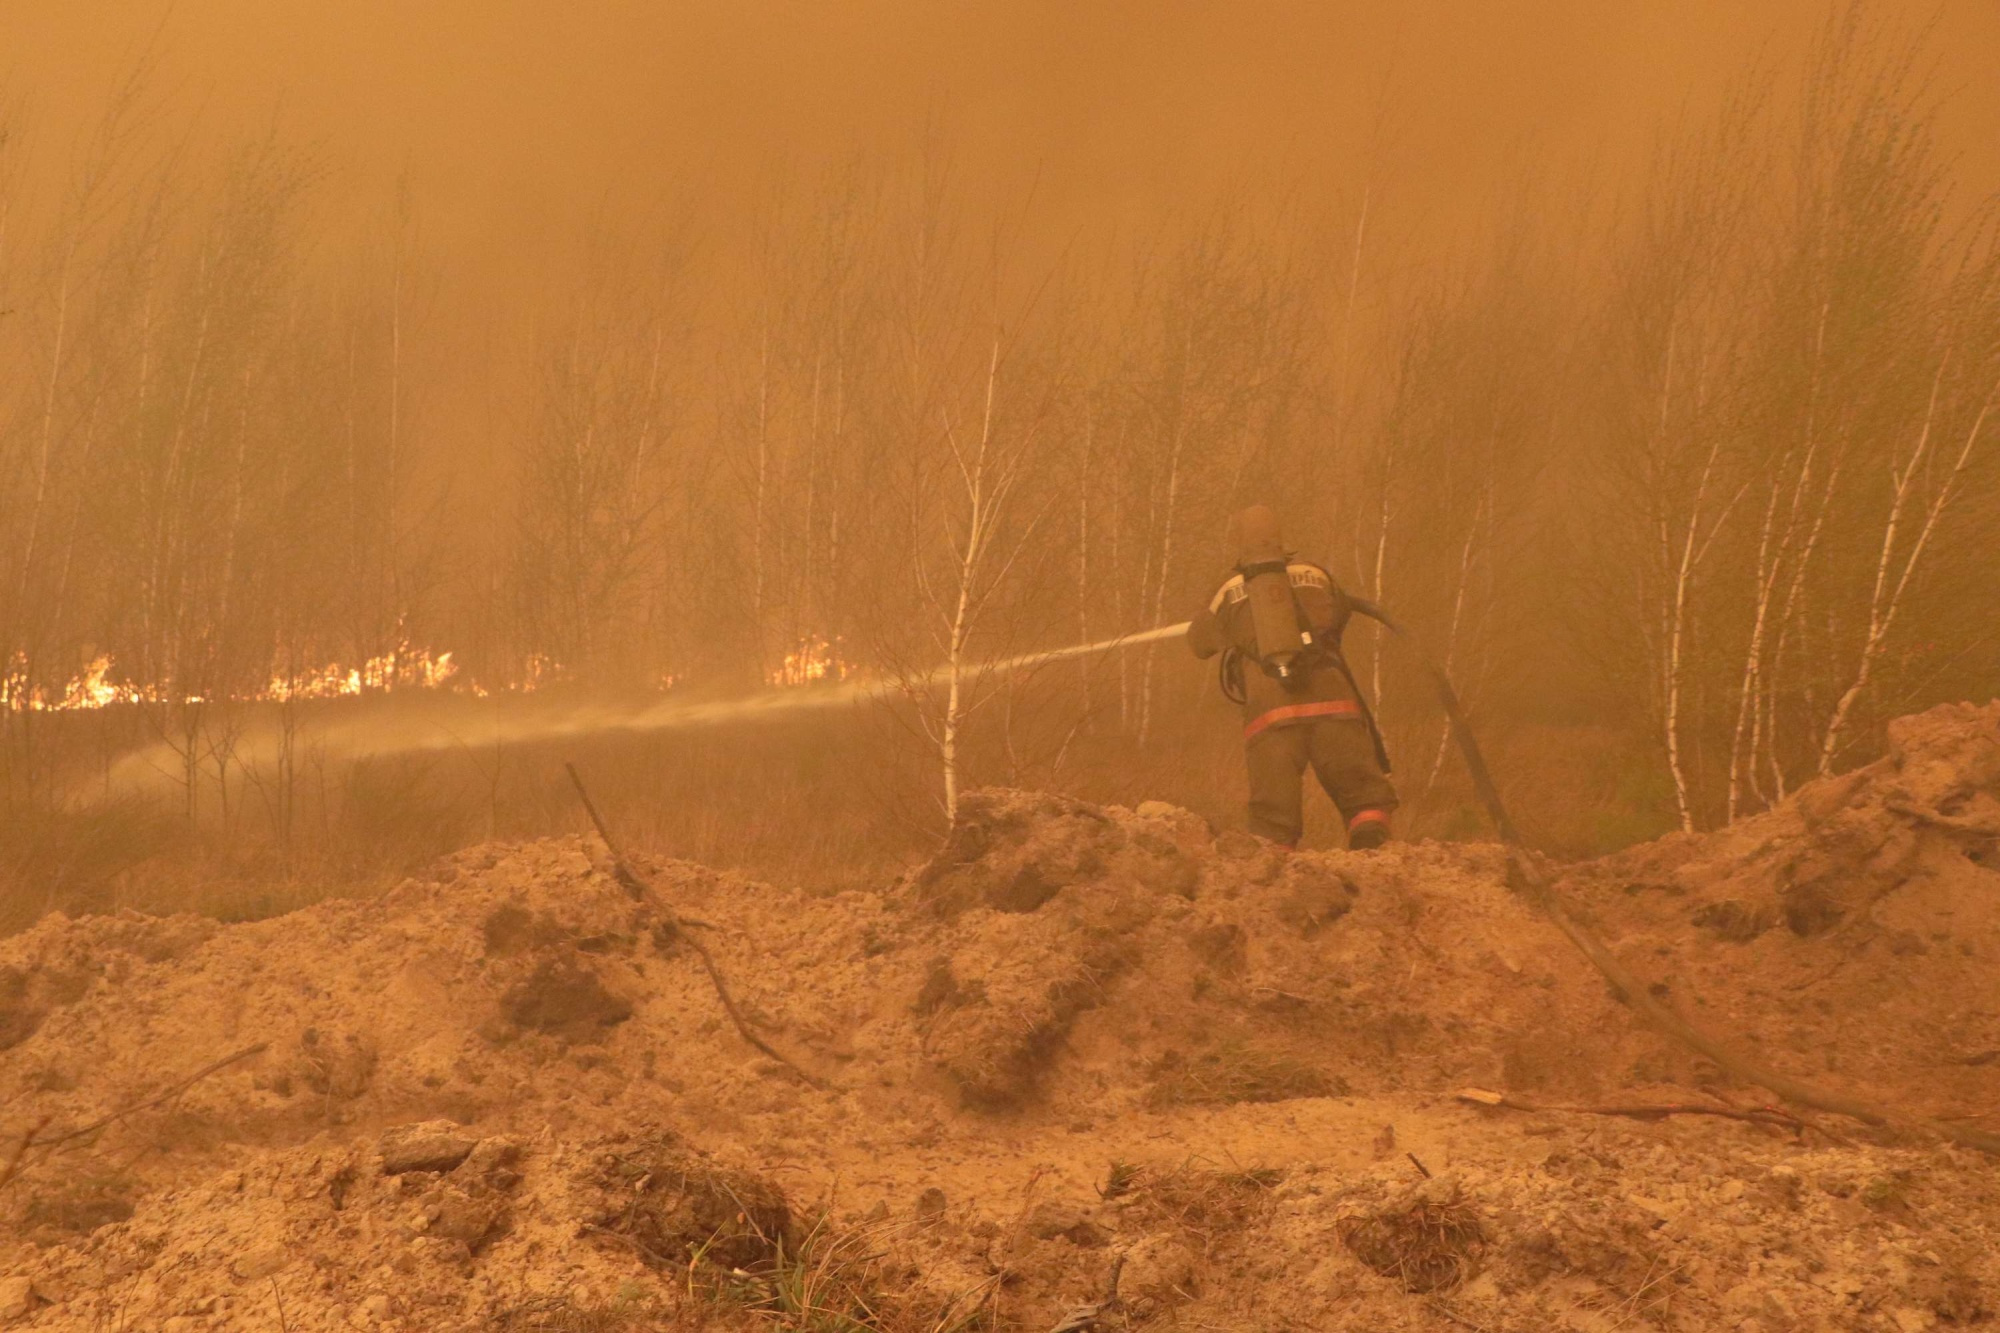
1160	582
1885	602
969	565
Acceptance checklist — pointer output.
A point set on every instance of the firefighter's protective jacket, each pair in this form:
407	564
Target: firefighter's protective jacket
1326	692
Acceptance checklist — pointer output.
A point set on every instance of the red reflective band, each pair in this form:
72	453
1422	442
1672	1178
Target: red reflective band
1368	817
1301	713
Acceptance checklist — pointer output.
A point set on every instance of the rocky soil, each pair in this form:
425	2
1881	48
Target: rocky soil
1090	1068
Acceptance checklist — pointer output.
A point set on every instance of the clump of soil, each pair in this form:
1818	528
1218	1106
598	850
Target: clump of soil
19	1016
995	1038
78	1204
1876	892
564	998
1082	1040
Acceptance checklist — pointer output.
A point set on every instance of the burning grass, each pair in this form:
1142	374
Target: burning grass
404	667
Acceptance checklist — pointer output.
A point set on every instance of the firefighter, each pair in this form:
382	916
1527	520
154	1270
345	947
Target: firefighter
1277	623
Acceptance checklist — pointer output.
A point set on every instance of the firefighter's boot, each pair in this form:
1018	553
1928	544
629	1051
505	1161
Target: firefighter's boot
1368	830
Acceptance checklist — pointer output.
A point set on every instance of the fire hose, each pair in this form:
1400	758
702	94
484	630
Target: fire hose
1528	878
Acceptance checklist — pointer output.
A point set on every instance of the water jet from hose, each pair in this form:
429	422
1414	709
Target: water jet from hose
443	724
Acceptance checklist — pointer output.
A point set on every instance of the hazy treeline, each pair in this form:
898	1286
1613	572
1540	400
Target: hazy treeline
1706	464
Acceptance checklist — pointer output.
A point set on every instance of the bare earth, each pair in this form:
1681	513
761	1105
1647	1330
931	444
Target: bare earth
1082	1041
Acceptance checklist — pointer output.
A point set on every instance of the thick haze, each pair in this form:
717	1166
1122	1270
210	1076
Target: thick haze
519	125
1640	355
516	119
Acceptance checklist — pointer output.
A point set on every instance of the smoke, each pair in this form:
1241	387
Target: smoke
661	345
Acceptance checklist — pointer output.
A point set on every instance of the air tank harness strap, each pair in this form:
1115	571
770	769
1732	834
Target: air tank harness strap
1229	673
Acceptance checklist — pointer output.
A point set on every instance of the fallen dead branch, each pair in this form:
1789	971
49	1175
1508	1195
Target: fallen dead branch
13	1164
641	890
1774	1116
1083	1317
45	1147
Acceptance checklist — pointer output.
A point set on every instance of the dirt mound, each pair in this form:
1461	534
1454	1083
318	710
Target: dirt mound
1852	934
1087	1057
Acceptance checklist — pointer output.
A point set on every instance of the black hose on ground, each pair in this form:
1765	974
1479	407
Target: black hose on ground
1627	985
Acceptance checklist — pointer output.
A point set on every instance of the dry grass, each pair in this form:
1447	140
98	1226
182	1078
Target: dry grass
729	1241
845	1280
1204	1201
1236	1071
559	1314
1429	1245
781	804
678	1211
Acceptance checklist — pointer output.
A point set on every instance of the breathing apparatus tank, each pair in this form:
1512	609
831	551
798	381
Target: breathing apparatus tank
1284	643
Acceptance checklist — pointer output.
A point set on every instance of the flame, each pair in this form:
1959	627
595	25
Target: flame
538	671
93	688
812	662
402	669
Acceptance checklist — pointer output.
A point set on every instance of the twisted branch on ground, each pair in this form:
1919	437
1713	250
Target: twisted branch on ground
45	1147
641	890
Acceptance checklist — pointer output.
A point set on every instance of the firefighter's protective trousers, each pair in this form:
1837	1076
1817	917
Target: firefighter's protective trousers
1341	754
